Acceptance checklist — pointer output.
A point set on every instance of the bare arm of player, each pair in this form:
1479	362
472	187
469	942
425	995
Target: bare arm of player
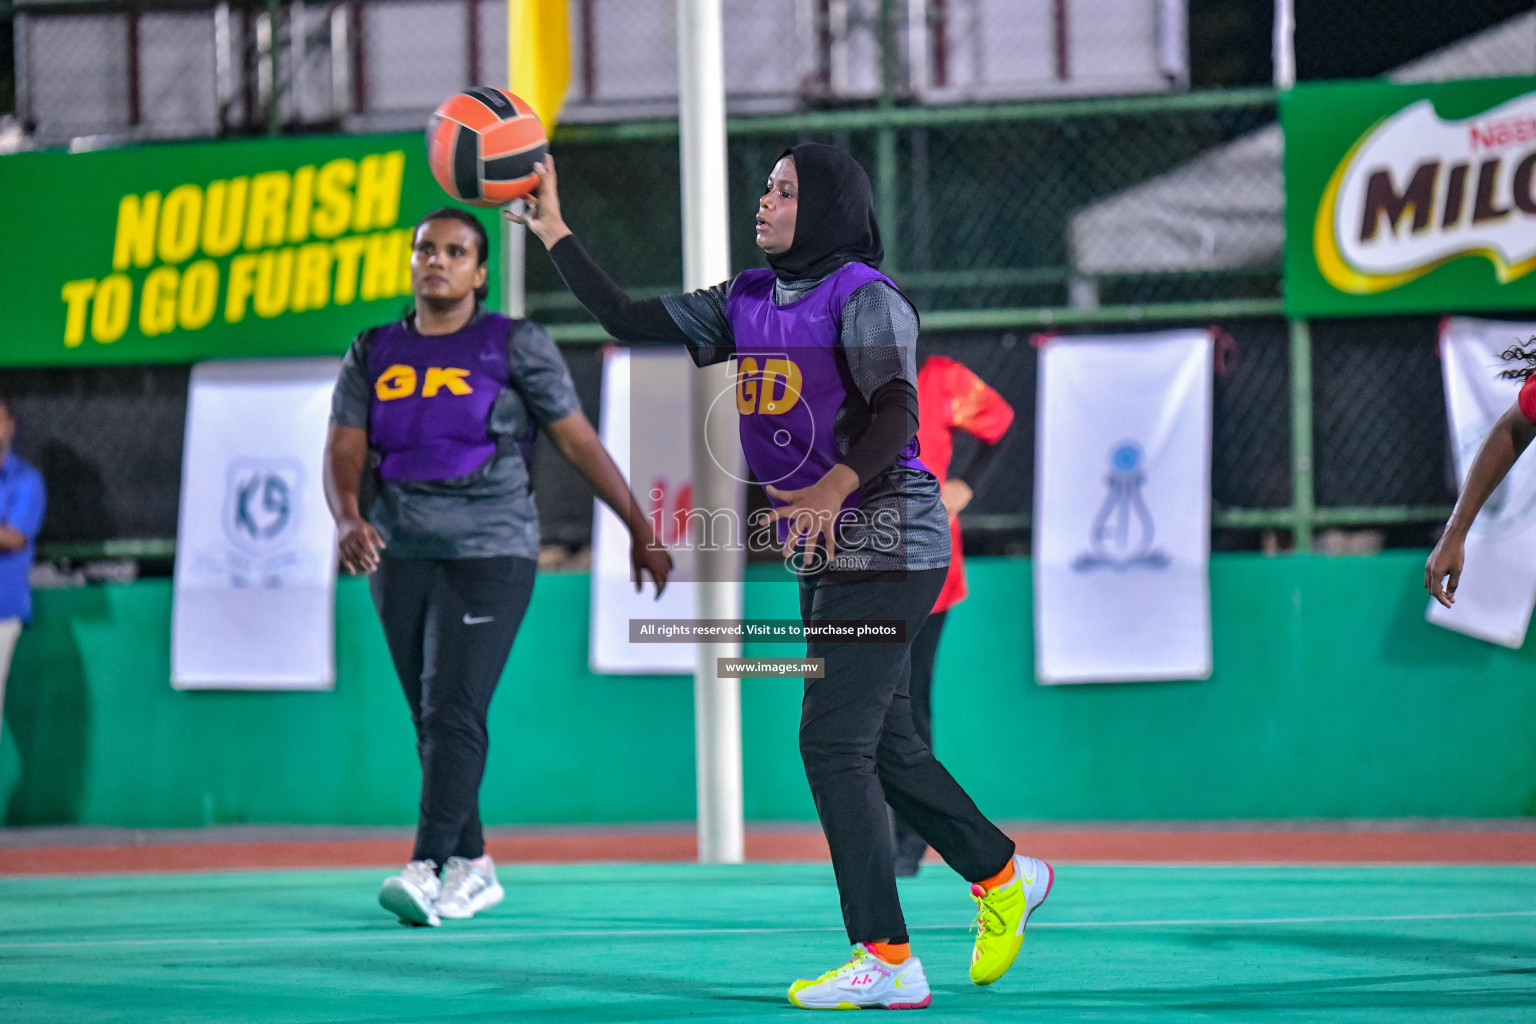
575	439
1509	437
346	456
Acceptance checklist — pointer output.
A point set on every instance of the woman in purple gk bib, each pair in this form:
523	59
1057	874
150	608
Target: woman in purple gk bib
826	386
426	475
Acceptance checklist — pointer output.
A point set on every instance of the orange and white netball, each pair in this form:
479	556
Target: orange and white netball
482	145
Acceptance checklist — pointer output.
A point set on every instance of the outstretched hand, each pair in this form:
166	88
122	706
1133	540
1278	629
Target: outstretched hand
1442	573
541	208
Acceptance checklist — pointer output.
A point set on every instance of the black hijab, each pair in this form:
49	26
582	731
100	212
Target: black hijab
835	223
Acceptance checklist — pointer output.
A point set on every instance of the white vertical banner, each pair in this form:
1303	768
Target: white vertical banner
1498	583
254	600
1123	508
644	425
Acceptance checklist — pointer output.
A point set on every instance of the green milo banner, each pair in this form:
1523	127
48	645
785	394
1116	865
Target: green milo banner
1410	198
182	252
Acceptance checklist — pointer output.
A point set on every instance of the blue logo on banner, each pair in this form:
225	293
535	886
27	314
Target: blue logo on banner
1122	533
261	504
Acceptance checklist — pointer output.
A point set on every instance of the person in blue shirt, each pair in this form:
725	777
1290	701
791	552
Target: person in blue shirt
22	499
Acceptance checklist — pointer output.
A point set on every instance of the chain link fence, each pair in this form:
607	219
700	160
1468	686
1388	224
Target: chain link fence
1231	42
108	442
1079	165
182	68
1014	211
1378	413
1251	430
1416	39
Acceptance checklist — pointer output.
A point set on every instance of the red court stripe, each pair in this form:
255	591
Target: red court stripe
1066	846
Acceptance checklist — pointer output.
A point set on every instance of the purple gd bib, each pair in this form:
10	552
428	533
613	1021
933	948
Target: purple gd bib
789	384
432	398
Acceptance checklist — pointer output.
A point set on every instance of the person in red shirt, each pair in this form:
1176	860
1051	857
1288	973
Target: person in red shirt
1510	436
950	398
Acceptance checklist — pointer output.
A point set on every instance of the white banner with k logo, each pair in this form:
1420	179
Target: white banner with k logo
255	578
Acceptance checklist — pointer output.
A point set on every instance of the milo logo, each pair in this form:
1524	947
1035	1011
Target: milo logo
1417	191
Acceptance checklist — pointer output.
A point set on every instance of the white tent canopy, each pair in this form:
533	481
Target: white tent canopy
1226	208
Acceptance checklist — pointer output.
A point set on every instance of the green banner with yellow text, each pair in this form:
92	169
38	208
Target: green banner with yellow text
188	251
1410	198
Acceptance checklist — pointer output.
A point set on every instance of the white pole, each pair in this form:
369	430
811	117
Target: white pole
514	237
919	40
514	262
706	262
1285	44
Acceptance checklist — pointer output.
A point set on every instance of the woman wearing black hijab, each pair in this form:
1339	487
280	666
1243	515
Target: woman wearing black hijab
826	387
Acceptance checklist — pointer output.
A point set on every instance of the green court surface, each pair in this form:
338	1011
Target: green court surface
689	942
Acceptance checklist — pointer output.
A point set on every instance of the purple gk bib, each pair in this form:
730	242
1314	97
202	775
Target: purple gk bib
432	398
789	383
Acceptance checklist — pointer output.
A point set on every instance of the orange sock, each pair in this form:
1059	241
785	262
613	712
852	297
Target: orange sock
1003	877
891	952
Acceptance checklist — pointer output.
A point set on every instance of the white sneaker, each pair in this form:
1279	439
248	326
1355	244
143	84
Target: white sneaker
469	886
866	982
412	894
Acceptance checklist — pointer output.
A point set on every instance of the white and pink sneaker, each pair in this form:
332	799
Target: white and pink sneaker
866	982
469	886
412	894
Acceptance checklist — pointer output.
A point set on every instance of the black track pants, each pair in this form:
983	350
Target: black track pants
925	651
450	624
861	749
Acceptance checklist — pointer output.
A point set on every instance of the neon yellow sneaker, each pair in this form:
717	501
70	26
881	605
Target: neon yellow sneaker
1001	915
865	982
